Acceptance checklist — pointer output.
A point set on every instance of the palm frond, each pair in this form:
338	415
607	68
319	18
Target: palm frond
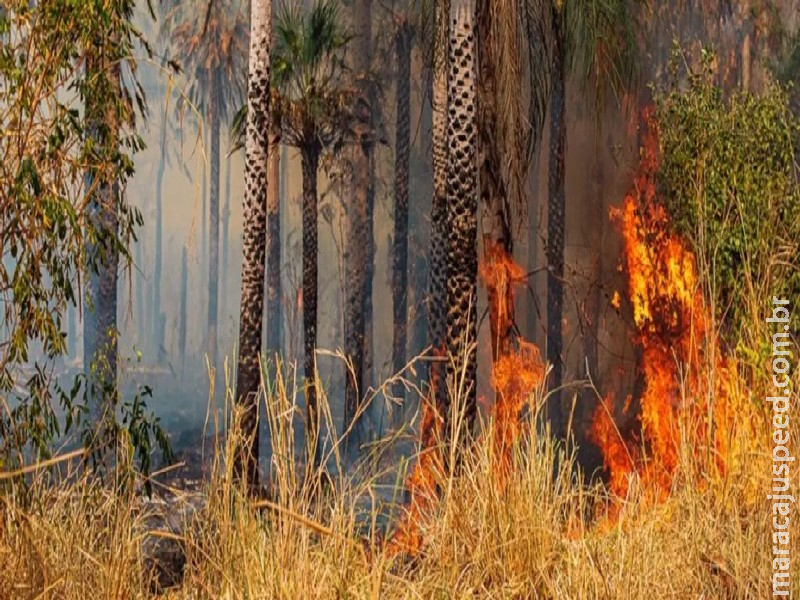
602	45
311	101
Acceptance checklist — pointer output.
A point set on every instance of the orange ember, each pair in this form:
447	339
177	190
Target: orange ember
679	347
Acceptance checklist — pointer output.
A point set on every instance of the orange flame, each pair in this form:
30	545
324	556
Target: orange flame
516	372
679	346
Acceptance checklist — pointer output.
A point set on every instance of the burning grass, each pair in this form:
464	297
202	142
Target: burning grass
537	535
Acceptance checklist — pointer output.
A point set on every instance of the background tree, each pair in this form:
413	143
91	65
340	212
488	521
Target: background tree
312	106
63	214
403	42
359	253
209	39
274	288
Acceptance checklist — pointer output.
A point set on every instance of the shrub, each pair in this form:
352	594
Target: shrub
729	178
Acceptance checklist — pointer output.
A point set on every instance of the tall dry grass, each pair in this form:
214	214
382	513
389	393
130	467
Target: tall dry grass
541	534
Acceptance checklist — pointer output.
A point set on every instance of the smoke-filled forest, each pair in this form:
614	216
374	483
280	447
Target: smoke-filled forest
399	299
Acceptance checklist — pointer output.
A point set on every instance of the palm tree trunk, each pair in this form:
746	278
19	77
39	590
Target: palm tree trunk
213	257
462	207
254	240
310	161
274	294
359	254
556	206
402	149
437	283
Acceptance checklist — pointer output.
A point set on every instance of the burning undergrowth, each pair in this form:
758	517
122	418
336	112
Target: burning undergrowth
693	418
517	372
690	387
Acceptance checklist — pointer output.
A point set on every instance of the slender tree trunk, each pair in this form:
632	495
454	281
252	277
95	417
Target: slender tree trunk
203	265
100	318
400	254
157	341
437	284
359	254
531	305
274	293
72	332
556	206
142	331
462	207
184	296
213	257
364	8
310	160
226	240
594	237
369	278
254	239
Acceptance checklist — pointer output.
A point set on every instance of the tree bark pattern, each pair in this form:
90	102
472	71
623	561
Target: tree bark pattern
462	206
310	160
254	239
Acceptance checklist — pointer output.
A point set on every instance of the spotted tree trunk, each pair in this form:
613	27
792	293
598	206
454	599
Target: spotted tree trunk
462	206
254	240
437	282
402	149
556	207
100	317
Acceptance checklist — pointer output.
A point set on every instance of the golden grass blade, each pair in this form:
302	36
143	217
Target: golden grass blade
80	452
318	527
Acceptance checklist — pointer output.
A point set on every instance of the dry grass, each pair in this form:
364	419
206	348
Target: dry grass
541	535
